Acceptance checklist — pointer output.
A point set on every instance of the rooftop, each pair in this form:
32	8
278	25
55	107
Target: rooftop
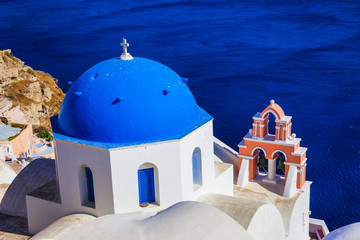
7	131
49	192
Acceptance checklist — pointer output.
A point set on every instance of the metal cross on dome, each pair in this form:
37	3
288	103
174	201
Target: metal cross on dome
125	55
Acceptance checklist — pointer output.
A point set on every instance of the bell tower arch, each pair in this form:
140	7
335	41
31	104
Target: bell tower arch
283	141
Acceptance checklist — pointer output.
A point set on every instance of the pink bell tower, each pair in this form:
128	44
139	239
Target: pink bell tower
258	140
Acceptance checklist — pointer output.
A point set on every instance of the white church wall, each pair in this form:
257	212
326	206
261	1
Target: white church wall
125	163
41	213
227	155
222	184
70	160
299	220
115	176
201	138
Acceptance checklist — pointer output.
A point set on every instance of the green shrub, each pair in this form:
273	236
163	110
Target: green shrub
11	56
46	135
19	126
43	132
5	121
21	95
12	137
40	129
30	71
12	97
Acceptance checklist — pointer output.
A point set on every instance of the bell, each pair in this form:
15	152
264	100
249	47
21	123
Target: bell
281	164
262	161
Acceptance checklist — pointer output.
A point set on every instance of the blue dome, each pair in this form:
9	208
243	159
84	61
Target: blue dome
129	102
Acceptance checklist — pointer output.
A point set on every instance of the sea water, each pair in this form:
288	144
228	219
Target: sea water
237	55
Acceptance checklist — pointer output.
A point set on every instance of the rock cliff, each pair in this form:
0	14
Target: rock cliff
31	92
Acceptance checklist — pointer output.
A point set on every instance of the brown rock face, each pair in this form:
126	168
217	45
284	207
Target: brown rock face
36	93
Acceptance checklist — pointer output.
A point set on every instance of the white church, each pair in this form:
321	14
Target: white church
135	154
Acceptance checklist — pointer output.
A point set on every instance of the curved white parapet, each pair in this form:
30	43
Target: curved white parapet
290	185
184	220
267	223
261	220
62	226
243	178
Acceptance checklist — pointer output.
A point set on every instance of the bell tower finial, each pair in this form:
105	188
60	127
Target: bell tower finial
125	55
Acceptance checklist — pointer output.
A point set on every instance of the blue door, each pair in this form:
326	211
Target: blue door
146	185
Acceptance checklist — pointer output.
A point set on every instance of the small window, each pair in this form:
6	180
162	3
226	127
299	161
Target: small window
197	168
86	187
90	184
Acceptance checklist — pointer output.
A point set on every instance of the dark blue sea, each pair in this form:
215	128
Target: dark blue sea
237	56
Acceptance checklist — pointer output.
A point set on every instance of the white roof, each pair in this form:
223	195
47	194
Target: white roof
351	231
35	175
250	214
184	220
4	103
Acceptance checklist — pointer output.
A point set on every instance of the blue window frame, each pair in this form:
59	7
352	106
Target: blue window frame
146	185
90	184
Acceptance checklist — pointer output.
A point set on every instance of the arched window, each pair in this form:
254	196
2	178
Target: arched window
86	182
261	161
148	184
280	158
90	184
272	123
196	167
